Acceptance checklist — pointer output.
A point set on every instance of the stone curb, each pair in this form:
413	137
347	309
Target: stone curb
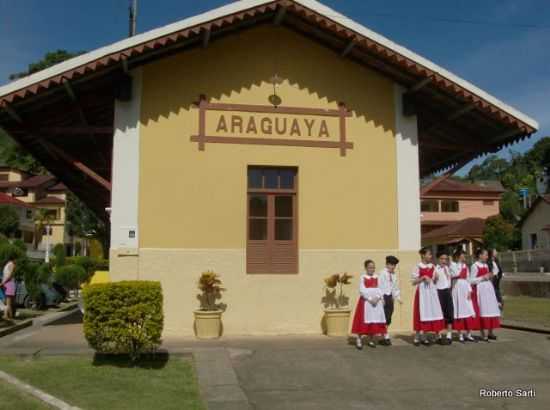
9	330
39	394
524	327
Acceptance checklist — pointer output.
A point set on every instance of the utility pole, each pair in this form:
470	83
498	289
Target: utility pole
133	17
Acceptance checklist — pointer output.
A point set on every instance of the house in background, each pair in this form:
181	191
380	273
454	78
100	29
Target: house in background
41	192
26	213
535	225
454	212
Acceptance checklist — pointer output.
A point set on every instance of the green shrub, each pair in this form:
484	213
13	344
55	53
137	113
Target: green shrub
10	251
18	243
59	254
70	276
89	264
123	317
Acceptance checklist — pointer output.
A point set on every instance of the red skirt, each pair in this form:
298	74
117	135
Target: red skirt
467	323
476	325
359	327
489	322
426	325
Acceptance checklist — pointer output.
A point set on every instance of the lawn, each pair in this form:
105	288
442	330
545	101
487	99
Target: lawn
11	398
527	309
100	383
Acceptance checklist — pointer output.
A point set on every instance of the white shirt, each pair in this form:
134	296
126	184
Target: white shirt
388	284
443	277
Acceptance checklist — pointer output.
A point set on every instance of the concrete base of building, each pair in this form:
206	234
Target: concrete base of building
258	304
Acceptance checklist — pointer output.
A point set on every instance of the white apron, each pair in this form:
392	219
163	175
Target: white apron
463	307
428	301
488	304
374	314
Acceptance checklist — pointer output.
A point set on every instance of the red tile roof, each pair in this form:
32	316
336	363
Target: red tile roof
452	185
50	200
9	200
31	182
60	186
469	227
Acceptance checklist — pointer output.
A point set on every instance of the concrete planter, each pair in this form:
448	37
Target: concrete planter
208	324
337	321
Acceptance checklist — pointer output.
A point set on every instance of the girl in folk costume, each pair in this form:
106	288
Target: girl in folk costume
427	314
369	316
485	300
465	319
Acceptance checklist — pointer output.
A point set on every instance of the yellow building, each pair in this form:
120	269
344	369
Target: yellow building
39	192
275	142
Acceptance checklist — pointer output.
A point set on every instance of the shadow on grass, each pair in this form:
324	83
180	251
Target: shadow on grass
146	361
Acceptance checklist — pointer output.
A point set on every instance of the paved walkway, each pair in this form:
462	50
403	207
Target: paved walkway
316	372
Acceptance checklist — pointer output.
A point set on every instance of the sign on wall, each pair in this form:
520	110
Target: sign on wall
269	125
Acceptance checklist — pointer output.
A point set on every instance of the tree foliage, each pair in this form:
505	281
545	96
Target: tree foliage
499	234
49	59
9	220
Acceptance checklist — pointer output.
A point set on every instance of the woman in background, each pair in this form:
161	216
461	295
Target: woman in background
8	286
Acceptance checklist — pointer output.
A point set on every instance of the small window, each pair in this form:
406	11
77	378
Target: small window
28	236
429	205
51	213
533	240
272	246
29	213
449	206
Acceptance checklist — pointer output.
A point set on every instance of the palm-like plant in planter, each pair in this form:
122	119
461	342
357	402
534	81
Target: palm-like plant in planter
208	316
336	303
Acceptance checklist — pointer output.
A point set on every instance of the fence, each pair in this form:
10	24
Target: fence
535	260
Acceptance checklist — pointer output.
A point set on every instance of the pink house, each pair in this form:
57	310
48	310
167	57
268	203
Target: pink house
454	212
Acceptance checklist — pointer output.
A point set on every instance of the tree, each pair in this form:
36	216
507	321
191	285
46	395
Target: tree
499	234
9	220
492	168
49	59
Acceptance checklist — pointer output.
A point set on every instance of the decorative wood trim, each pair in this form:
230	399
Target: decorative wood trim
270	141
275	110
341	113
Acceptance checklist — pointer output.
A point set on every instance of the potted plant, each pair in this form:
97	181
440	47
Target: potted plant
336	303
208	318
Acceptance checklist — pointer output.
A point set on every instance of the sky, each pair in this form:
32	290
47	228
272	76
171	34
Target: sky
502	46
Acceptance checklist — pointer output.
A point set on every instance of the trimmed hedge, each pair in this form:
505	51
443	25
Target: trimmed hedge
70	276
123	317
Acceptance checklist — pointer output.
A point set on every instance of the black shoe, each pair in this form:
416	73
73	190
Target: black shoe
462	340
416	342
387	342
492	337
449	341
426	342
472	340
485	339
371	344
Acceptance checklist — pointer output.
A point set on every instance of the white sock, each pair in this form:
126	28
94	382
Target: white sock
449	335
461	336
386	336
359	341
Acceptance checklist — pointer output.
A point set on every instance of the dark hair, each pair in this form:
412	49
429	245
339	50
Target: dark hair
424	251
458	252
479	252
392	260
441	253
368	261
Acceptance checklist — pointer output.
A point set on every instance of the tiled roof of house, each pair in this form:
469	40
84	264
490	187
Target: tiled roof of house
9	200
60	186
466	228
49	200
31	182
452	185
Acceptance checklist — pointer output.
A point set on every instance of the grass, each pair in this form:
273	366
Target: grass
111	382
527	309
11	398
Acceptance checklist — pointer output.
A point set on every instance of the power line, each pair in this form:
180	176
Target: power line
452	20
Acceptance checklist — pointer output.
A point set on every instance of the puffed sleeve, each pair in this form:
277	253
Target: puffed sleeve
474	280
363	291
454	270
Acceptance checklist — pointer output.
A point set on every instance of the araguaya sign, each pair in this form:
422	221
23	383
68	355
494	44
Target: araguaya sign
269	125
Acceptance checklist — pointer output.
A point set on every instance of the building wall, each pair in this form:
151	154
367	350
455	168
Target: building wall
192	204
534	224
467	208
